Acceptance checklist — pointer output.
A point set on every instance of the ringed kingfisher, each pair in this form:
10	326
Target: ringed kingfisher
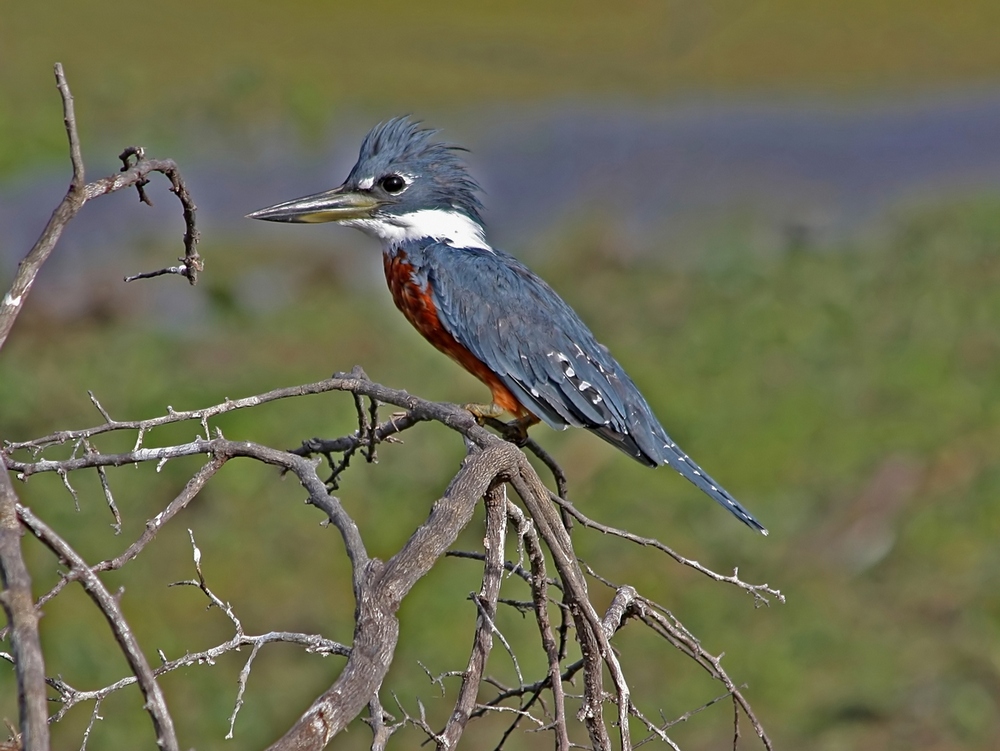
484	308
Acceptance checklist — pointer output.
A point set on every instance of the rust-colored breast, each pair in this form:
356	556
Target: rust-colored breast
416	304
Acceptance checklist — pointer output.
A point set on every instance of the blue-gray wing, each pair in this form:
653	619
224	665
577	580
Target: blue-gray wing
550	361
538	346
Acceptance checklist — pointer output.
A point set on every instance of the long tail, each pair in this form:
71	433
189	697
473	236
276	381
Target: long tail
674	457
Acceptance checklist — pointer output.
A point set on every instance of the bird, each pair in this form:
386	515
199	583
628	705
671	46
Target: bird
482	306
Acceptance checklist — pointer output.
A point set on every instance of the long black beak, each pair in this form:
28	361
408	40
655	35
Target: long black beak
334	205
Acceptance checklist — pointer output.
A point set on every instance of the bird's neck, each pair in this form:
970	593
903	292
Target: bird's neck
439	225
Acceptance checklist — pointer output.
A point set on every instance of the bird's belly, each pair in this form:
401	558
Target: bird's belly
416	304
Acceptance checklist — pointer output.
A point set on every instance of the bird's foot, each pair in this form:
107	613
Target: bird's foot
484	412
515	431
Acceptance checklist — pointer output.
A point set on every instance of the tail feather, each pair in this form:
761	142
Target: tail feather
645	440
674	457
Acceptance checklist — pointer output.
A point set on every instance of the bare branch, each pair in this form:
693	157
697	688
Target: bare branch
379	588
493	544
117	526
614	619
69	122
19	605
562	482
100	407
378	717
594	643
64	476
182	270
380	592
418	410
757	590
380	434
134	158
313	643
539	585
155	703
670	628
77	195
94	717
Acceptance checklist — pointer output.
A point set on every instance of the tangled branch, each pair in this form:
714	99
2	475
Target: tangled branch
492	464
16	596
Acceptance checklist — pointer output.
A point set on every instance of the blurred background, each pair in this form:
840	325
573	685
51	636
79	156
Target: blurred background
783	217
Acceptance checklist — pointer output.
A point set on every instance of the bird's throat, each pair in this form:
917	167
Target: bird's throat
452	227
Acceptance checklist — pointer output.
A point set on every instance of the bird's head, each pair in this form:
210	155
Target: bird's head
405	186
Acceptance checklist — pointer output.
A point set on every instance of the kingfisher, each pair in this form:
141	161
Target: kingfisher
484	308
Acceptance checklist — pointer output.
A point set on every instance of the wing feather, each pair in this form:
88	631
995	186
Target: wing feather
537	345
529	337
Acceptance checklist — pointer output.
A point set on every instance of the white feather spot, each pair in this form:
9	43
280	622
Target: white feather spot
367	183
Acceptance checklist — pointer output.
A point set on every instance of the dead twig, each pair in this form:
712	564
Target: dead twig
134	173
493	543
758	591
155	704
22	618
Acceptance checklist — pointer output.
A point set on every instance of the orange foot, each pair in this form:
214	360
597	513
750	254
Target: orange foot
484	412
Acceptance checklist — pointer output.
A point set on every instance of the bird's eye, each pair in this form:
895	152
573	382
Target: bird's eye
392	183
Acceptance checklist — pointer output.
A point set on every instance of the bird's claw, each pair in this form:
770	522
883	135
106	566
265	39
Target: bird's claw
515	431
483	412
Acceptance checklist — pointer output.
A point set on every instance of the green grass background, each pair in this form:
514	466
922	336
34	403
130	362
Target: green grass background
849	396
